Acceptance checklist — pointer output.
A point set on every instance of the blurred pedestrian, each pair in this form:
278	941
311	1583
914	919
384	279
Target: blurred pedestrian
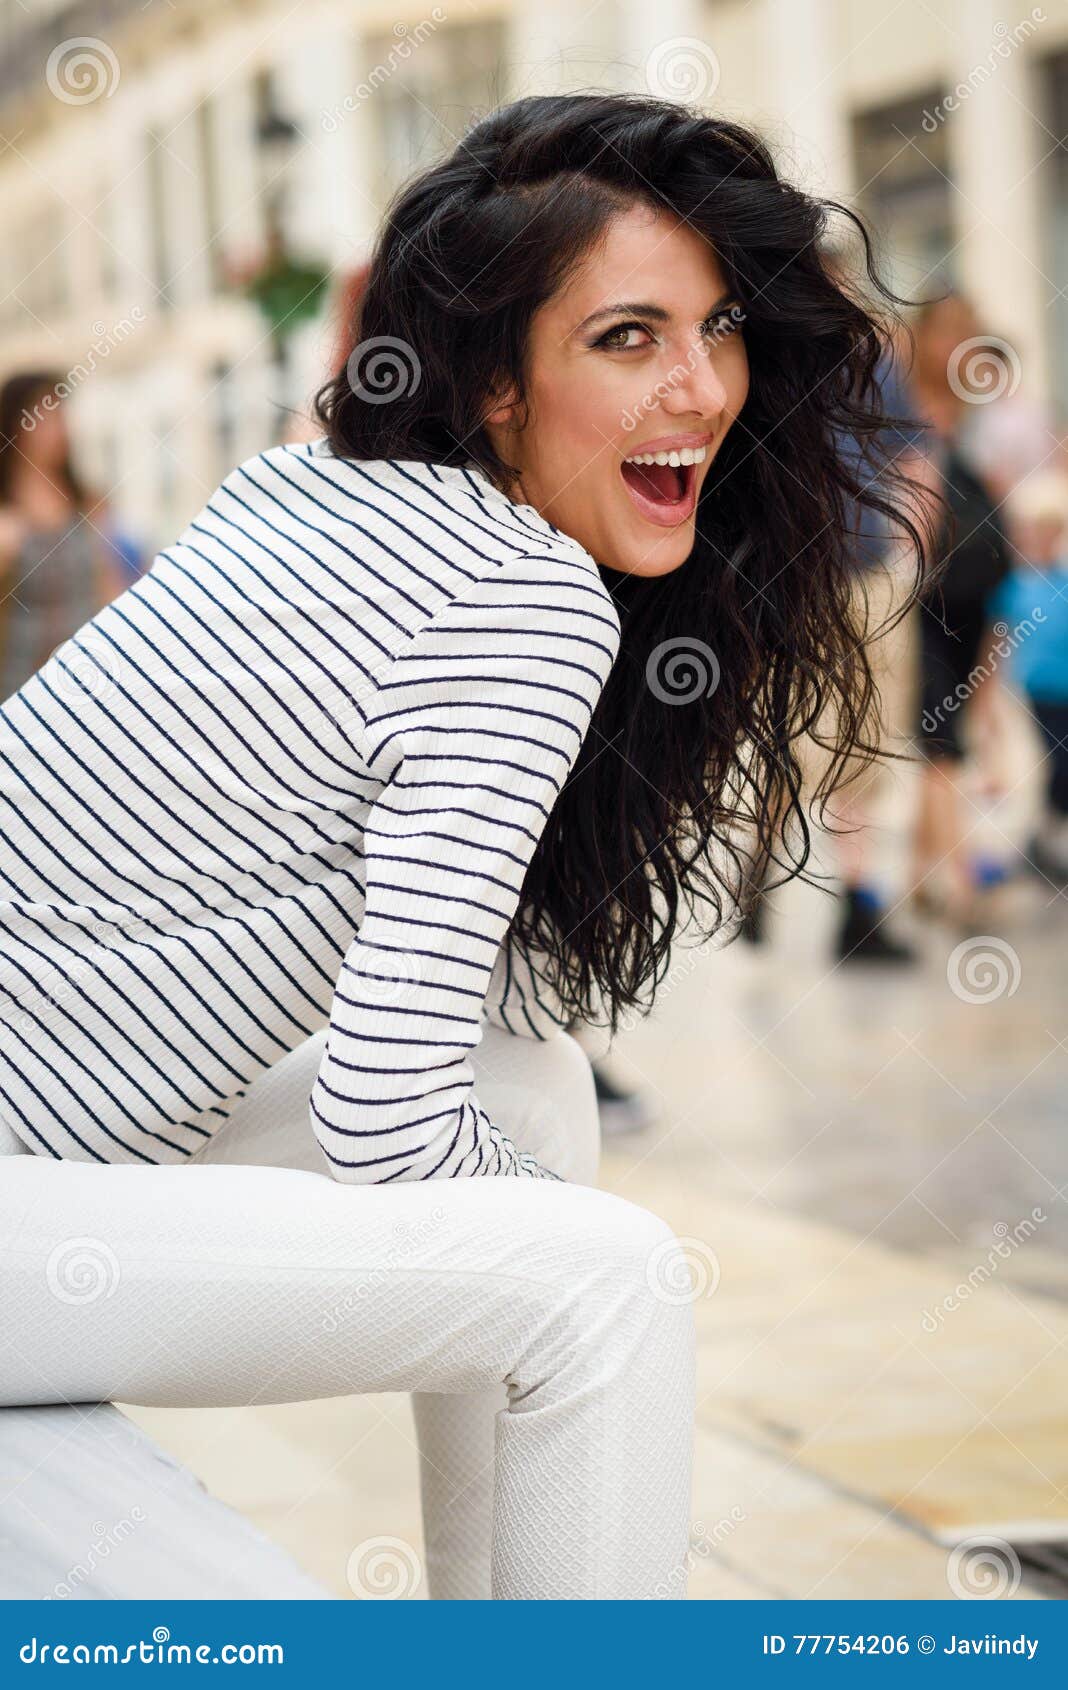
1006	434
61	555
955	636
863	934
880	591
1032	601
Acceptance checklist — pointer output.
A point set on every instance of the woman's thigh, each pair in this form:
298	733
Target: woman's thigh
216	1286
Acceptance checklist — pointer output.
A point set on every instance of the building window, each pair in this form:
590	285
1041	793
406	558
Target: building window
208	177
157	220
428	87
1054	261
904	190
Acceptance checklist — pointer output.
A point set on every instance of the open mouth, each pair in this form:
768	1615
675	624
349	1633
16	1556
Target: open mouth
663	485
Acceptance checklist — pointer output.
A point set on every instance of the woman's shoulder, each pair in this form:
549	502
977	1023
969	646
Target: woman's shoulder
440	517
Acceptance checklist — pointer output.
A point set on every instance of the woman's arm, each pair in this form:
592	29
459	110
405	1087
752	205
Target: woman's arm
478	721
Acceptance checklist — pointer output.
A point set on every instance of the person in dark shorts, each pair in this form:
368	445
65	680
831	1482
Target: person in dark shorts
956	656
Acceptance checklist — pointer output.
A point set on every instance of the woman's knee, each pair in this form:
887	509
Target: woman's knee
623	1288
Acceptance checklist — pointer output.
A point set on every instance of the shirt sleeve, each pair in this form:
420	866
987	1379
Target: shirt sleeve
479	721
519	999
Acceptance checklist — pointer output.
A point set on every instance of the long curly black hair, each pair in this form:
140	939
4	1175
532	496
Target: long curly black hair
706	790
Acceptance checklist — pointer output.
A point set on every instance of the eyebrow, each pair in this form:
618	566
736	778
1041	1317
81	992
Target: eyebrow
638	308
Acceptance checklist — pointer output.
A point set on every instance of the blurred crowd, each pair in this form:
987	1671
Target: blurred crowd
990	630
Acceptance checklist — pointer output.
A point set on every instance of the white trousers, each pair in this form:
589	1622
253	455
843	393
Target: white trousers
553	1375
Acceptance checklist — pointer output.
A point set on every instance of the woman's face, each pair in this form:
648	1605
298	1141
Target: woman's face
639	354
947	327
46	444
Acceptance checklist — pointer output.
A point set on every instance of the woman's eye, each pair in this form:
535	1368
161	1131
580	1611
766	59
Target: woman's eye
616	340
724	323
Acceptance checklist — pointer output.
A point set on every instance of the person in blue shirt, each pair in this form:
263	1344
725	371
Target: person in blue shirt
1032	604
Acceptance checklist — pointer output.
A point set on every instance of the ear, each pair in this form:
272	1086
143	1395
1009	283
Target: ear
505	403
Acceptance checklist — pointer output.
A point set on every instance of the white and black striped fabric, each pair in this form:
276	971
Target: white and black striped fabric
290	778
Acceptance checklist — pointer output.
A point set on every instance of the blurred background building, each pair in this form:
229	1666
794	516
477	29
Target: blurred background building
185	185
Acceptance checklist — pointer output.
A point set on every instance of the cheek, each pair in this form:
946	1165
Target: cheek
581	421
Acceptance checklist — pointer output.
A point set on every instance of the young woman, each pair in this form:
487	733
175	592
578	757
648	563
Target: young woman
61	556
320	835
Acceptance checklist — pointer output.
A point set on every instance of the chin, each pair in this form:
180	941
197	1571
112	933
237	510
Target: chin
655	555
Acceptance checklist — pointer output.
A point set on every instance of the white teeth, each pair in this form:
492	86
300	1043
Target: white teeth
687	455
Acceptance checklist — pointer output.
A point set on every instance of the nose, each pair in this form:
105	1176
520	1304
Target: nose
698	386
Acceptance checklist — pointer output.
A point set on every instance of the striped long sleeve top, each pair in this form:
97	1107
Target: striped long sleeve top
291	778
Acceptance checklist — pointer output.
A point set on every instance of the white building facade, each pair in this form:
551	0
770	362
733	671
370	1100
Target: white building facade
147	149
